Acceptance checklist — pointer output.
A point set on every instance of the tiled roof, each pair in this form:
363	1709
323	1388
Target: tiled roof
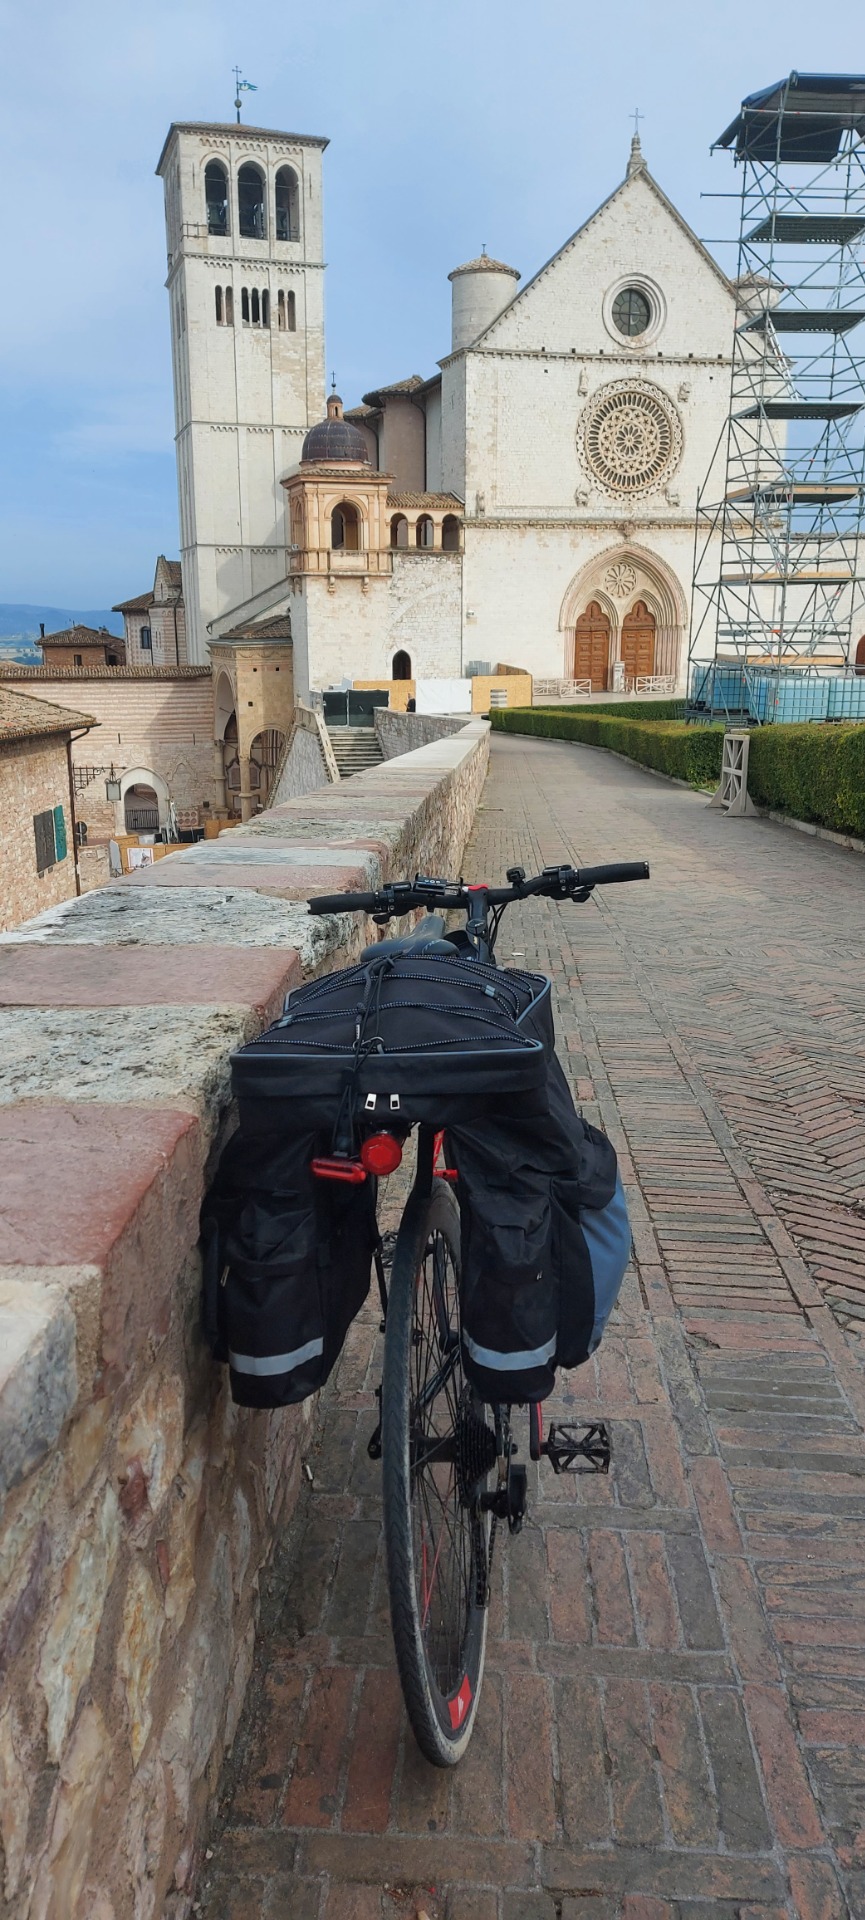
173	570
279	628
82	637
360	413
22	718
104	673
141	604
380	394
447	500
484	265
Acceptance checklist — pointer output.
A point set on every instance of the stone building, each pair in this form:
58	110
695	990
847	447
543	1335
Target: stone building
155	623
154	731
532	502
37	807
80	646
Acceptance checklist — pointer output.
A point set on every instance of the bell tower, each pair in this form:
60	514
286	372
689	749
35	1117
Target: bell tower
243	217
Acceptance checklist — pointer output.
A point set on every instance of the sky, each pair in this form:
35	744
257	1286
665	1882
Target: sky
452	125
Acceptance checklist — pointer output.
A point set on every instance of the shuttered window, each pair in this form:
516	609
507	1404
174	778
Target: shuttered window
59	833
43	828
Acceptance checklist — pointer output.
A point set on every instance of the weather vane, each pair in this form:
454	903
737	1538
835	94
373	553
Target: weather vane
241	86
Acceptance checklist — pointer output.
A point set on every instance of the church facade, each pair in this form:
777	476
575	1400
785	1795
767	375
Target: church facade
532	503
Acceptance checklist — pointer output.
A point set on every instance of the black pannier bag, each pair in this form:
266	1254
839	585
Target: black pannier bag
403	1039
287	1261
545	1243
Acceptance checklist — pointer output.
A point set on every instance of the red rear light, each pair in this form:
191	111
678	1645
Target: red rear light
381	1153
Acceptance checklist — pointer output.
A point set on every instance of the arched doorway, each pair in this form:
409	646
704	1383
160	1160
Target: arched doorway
231	763
264	755
401	667
638	641
860	656
141	809
592	646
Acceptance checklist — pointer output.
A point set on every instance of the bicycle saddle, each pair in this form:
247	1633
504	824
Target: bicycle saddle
425	938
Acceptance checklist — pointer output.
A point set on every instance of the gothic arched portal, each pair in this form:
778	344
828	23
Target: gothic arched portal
638	641
592	646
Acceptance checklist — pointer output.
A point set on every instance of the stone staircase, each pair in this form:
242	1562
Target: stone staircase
355	749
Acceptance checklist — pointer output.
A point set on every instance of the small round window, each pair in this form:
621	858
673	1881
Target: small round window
632	313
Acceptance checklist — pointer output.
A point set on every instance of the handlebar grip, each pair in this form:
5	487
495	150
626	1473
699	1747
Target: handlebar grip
610	876
344	903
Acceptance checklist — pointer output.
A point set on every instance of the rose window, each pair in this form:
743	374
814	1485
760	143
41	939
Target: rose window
620	579
630	437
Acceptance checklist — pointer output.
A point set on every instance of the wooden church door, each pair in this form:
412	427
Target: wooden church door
592	647
638	641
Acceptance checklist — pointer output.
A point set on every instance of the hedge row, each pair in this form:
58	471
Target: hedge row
811	772
627	710
688	753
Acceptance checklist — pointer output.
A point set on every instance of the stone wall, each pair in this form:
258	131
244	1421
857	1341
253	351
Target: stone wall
404	732
308	758
34	775
139	1506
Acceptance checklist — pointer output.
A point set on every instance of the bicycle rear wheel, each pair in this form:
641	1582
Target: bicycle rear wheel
437	1454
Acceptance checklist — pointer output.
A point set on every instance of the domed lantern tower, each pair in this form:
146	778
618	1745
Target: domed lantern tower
336	502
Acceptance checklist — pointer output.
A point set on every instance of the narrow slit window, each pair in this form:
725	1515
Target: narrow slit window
291	308
280	310
220	311
244	305
256	310
265	307
229	306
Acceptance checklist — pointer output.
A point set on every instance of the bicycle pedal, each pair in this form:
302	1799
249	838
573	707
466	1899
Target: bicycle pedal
578	1449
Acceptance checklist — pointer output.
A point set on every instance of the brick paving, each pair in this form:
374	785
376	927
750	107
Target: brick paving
673	1718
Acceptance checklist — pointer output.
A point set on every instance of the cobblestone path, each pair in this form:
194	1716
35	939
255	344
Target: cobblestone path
673	1717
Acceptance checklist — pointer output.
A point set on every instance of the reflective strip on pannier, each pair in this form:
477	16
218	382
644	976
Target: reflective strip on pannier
504	1362
266	1363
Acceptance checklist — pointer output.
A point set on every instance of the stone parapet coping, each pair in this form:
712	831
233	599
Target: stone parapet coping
137	1504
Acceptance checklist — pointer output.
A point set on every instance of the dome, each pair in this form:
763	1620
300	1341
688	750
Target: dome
334	439
484	264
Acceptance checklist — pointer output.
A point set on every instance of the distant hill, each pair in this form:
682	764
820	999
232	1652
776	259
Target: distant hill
19	626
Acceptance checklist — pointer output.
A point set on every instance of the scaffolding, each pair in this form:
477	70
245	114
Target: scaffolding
778	600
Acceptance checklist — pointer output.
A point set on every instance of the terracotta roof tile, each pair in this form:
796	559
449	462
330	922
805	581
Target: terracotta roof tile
279	628
22	718
141	604
80	636
104	673
434	500
484	265
378	394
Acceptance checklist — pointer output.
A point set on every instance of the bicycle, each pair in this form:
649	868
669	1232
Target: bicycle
448	1475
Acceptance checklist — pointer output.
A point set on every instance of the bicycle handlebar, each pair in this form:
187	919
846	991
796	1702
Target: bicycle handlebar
401	896
344	903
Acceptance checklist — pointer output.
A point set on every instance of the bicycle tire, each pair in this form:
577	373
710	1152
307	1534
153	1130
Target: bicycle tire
441	1694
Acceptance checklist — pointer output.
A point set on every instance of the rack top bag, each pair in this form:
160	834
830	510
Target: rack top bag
415	1038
